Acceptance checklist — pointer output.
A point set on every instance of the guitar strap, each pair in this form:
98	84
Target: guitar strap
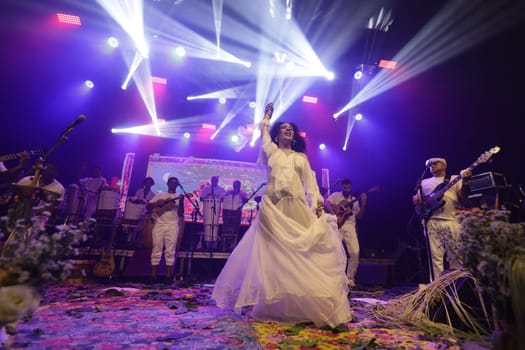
447	179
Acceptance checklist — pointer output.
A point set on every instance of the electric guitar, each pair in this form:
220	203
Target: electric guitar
433	201
11	156
344	208
6	181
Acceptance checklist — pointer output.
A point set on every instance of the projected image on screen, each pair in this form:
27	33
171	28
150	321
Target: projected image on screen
195	173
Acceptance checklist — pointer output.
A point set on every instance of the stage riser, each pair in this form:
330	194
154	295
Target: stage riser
202	265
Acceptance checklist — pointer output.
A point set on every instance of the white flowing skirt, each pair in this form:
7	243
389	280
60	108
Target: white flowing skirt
290	266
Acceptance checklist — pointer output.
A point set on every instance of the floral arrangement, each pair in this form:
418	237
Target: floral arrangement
488	245
32	258
493	250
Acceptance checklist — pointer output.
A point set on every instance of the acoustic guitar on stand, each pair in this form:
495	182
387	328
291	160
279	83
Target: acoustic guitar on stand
105	266
343	210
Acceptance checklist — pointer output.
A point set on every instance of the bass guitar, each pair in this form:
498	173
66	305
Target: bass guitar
433	201
344	209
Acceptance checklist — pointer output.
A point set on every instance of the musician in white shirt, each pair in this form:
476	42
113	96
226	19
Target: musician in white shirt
232	204
145	193
49	198
167	211
348	209
91	187
443	219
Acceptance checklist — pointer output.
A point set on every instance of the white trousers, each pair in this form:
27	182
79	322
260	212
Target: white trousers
164	236
351	243
443	238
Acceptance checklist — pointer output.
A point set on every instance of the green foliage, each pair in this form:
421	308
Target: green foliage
487	245
34	257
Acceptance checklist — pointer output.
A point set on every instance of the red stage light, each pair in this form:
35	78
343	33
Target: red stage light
208	126
387	64
309	99
69	19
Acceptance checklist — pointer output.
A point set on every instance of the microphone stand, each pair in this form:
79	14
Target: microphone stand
197	211
423	221
214	213
39	165
252	195
193	203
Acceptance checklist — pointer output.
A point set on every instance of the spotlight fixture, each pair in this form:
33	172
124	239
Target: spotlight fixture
180	51
222	100
358	116
358	75
113	42
89	84
186	135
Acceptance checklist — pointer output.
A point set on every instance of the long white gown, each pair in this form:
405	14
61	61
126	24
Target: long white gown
290	264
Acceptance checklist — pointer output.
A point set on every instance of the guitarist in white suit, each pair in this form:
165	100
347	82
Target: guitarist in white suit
443	217
167	210
348	209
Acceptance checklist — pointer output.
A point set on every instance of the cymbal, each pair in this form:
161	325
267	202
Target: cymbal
29	190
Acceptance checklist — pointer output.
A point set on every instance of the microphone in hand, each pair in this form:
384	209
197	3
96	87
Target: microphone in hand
268	110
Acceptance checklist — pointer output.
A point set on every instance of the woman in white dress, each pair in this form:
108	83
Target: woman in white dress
290	264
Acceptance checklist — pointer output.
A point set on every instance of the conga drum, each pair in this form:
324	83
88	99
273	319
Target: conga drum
74	201
107	204
133	212
211	213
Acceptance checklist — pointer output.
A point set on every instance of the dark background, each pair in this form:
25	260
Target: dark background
456	110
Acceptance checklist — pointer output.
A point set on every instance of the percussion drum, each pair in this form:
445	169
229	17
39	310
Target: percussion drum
133	212
231	219
212	210
108	199
74	201
107	203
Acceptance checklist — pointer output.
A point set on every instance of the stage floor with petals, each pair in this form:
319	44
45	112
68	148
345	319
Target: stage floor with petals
132	315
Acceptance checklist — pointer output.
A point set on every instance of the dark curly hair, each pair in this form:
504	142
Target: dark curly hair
300	143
